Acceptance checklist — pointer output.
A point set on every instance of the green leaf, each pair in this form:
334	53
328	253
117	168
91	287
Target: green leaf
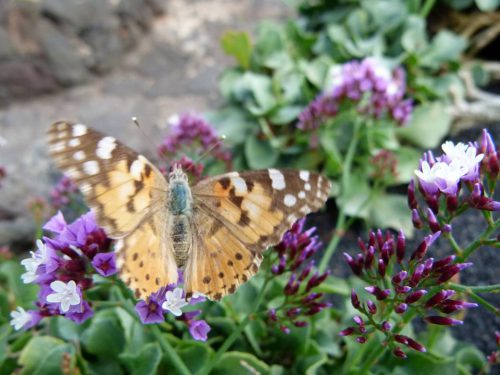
238	45
391	211
471	358
487	5
285	115
445	47
428	125
259	153
43	355
66	329
334	285
407	158
194	354
144	362
233	123
356	199
4	335
24	294
240	363
414	38
270	40
105	336
316	71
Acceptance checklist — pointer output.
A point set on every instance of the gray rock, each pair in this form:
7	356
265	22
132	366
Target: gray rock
80	14
67	56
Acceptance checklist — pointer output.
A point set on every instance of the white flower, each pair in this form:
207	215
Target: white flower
65	294
41	256
19	318
463	157
174	301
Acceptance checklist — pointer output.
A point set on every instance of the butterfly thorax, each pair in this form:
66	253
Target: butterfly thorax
180	209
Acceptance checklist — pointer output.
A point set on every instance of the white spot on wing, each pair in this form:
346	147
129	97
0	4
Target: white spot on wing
75	142
91	167
72	172
277	178
302	194
79	130
105	147
57	147
79	155
307	186
136	168
304	175
240	186
84	188
290	200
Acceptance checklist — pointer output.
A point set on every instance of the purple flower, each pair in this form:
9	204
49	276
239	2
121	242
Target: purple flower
105	264
80	313
191	130
199	330
151	312
371	87
63	192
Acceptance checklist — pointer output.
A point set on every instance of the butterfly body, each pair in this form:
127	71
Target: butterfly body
215	230
180	204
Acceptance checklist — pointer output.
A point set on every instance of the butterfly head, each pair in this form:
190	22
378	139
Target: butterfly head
177	174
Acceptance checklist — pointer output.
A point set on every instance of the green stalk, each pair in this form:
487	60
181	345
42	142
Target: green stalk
168	349
235	334
479	242
164	344
346	171
426	9
472	291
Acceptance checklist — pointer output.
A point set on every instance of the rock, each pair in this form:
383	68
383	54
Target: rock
67	56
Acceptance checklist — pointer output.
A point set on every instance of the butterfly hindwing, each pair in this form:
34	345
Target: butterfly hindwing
244	213
144	258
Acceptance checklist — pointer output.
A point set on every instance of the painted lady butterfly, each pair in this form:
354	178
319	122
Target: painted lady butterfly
215	230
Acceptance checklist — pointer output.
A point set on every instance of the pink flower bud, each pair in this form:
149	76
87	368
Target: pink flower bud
398	352
347	332
401	308
400	246
396	279
355	300
372	308
415	296
442	320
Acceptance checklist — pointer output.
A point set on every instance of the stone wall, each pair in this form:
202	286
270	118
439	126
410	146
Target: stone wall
46	45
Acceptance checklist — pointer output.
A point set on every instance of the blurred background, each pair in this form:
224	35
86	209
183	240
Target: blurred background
101	63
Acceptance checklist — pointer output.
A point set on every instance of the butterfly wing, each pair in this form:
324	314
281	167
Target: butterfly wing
126	192
238	215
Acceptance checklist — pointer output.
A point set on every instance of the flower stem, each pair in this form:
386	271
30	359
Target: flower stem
344	183
235	334
473	290
427	7
480	241
164	344
169	350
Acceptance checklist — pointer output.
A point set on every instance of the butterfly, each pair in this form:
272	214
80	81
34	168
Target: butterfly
215	231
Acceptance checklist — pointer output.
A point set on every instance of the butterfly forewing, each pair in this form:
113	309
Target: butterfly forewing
127	194
244	213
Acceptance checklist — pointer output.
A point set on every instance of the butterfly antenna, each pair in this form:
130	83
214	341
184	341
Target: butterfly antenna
147	137
207	152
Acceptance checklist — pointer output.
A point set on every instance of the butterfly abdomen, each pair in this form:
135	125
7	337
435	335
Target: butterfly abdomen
180	207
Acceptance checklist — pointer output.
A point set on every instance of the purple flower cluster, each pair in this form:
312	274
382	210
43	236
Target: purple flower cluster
172	299
444	177
190	131
416	284
63	267
294	256
63	193
367	84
